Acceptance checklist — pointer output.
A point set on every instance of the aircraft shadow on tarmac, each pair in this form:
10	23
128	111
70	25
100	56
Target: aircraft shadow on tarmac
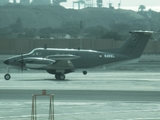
57	80
45	80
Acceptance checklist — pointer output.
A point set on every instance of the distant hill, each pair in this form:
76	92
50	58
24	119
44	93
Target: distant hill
18	21
56	16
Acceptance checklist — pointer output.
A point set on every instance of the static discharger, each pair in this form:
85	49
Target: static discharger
34	105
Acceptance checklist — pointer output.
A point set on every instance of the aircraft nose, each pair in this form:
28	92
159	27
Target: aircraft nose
6	62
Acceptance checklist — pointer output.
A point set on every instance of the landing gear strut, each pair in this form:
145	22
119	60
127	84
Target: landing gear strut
60	76
7	76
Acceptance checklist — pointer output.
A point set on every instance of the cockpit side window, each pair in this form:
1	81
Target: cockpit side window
36	53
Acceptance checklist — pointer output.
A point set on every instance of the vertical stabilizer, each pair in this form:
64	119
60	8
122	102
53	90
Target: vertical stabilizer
135	44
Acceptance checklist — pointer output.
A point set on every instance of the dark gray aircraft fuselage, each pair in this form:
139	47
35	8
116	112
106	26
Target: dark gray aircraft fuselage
63	61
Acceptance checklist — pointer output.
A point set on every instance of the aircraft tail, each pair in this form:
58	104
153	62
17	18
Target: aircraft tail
135	44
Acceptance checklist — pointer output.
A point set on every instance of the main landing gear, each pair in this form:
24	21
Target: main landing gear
7	76
60	76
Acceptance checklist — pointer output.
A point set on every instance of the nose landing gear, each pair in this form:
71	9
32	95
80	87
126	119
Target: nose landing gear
7	76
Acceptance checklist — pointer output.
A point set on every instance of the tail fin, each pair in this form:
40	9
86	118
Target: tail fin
135	44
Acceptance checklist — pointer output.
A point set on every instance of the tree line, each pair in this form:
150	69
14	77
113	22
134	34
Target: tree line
116	31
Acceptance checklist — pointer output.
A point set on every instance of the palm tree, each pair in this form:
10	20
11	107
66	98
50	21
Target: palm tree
141	8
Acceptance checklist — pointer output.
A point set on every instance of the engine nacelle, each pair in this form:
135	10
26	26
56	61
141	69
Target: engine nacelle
37	63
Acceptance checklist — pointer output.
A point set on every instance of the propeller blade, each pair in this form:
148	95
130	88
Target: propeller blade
22	63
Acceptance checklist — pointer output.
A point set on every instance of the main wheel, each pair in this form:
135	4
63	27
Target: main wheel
84	72
60	76
7	76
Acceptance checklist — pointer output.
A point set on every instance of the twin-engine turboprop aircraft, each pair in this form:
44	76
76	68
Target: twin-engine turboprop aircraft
62	61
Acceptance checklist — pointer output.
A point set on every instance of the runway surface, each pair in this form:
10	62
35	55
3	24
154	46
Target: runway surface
116	95
127	92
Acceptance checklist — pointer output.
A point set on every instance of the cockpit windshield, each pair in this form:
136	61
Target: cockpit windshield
35	53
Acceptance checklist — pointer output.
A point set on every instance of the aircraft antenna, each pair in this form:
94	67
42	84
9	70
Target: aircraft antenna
45	46
81	34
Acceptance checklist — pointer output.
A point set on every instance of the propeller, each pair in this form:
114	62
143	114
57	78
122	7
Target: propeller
21	63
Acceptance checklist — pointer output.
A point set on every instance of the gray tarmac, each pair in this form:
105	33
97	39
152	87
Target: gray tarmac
130	92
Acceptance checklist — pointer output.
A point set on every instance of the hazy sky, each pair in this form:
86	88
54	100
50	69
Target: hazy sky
124	3
153	4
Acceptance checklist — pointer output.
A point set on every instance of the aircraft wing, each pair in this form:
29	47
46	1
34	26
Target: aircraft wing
63	61
51	62
63	57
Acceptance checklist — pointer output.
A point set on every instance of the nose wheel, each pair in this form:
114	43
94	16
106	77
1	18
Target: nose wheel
7	76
